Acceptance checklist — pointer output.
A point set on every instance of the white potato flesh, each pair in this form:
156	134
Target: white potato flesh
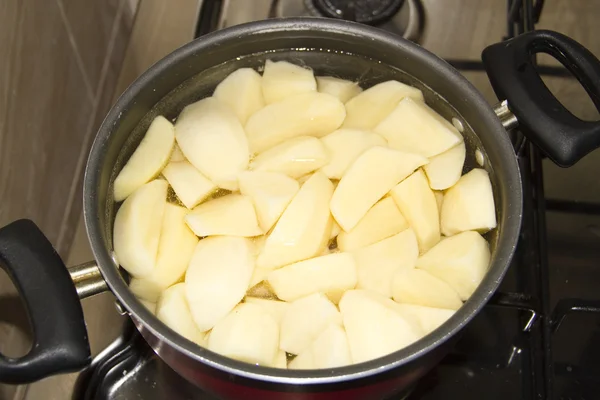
275	308
217	277
137	228
439	199
415	128
148	159
212	138
445	169
304	320
469	205
461	261
190	186
336	229
378	263
332	274
259	275
383	220
294	157
175	248
417	286
369	178
173	310
374	326
429	318
248	333
281	360
304	227
232	215
369	108
242	92
282	79
329	350
344	146
417	203
342	89
310	114
177	154
270	192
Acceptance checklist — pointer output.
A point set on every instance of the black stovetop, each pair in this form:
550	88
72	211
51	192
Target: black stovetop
534	340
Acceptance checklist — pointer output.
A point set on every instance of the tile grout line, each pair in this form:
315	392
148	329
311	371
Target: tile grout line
80	64
89	134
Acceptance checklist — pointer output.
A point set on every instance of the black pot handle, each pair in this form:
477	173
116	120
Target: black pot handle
563	137
60	341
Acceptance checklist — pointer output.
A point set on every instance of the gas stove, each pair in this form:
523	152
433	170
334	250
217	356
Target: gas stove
534	340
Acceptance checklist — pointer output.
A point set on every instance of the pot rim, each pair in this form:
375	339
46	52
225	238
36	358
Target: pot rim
500	259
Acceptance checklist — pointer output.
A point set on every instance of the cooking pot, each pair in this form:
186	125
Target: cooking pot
331	47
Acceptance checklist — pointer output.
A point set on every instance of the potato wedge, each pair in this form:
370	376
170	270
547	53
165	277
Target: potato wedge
242	92
417	203
212	138
232	215
304	228
370	107
309	114
342	89
275	308
332	275
294	157
369	178
445	169
148	159
190	186
217	277
429	318
344	146
173	310
248	333
417	286
461	261
382	220
378	263
304	320
282	79
329	350
413	127
469	205
137	228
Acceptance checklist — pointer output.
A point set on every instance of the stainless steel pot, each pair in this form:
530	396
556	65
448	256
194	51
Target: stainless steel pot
330	47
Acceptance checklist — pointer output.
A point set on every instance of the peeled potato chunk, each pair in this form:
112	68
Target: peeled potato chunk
173	310
282	79
415	128
429	318
469	205
270	192
137	228
275	308
375	328
370	107
342	89
190	186
332	274
369	178
417	286
304	227
248	333
242	91
281	360
212	138
217	277
378	263
232	215
177	154
304	320
383	220
417	203
295	157
175	249
329	350
309	114
460	260
439	199
148	159
445	169
344	146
